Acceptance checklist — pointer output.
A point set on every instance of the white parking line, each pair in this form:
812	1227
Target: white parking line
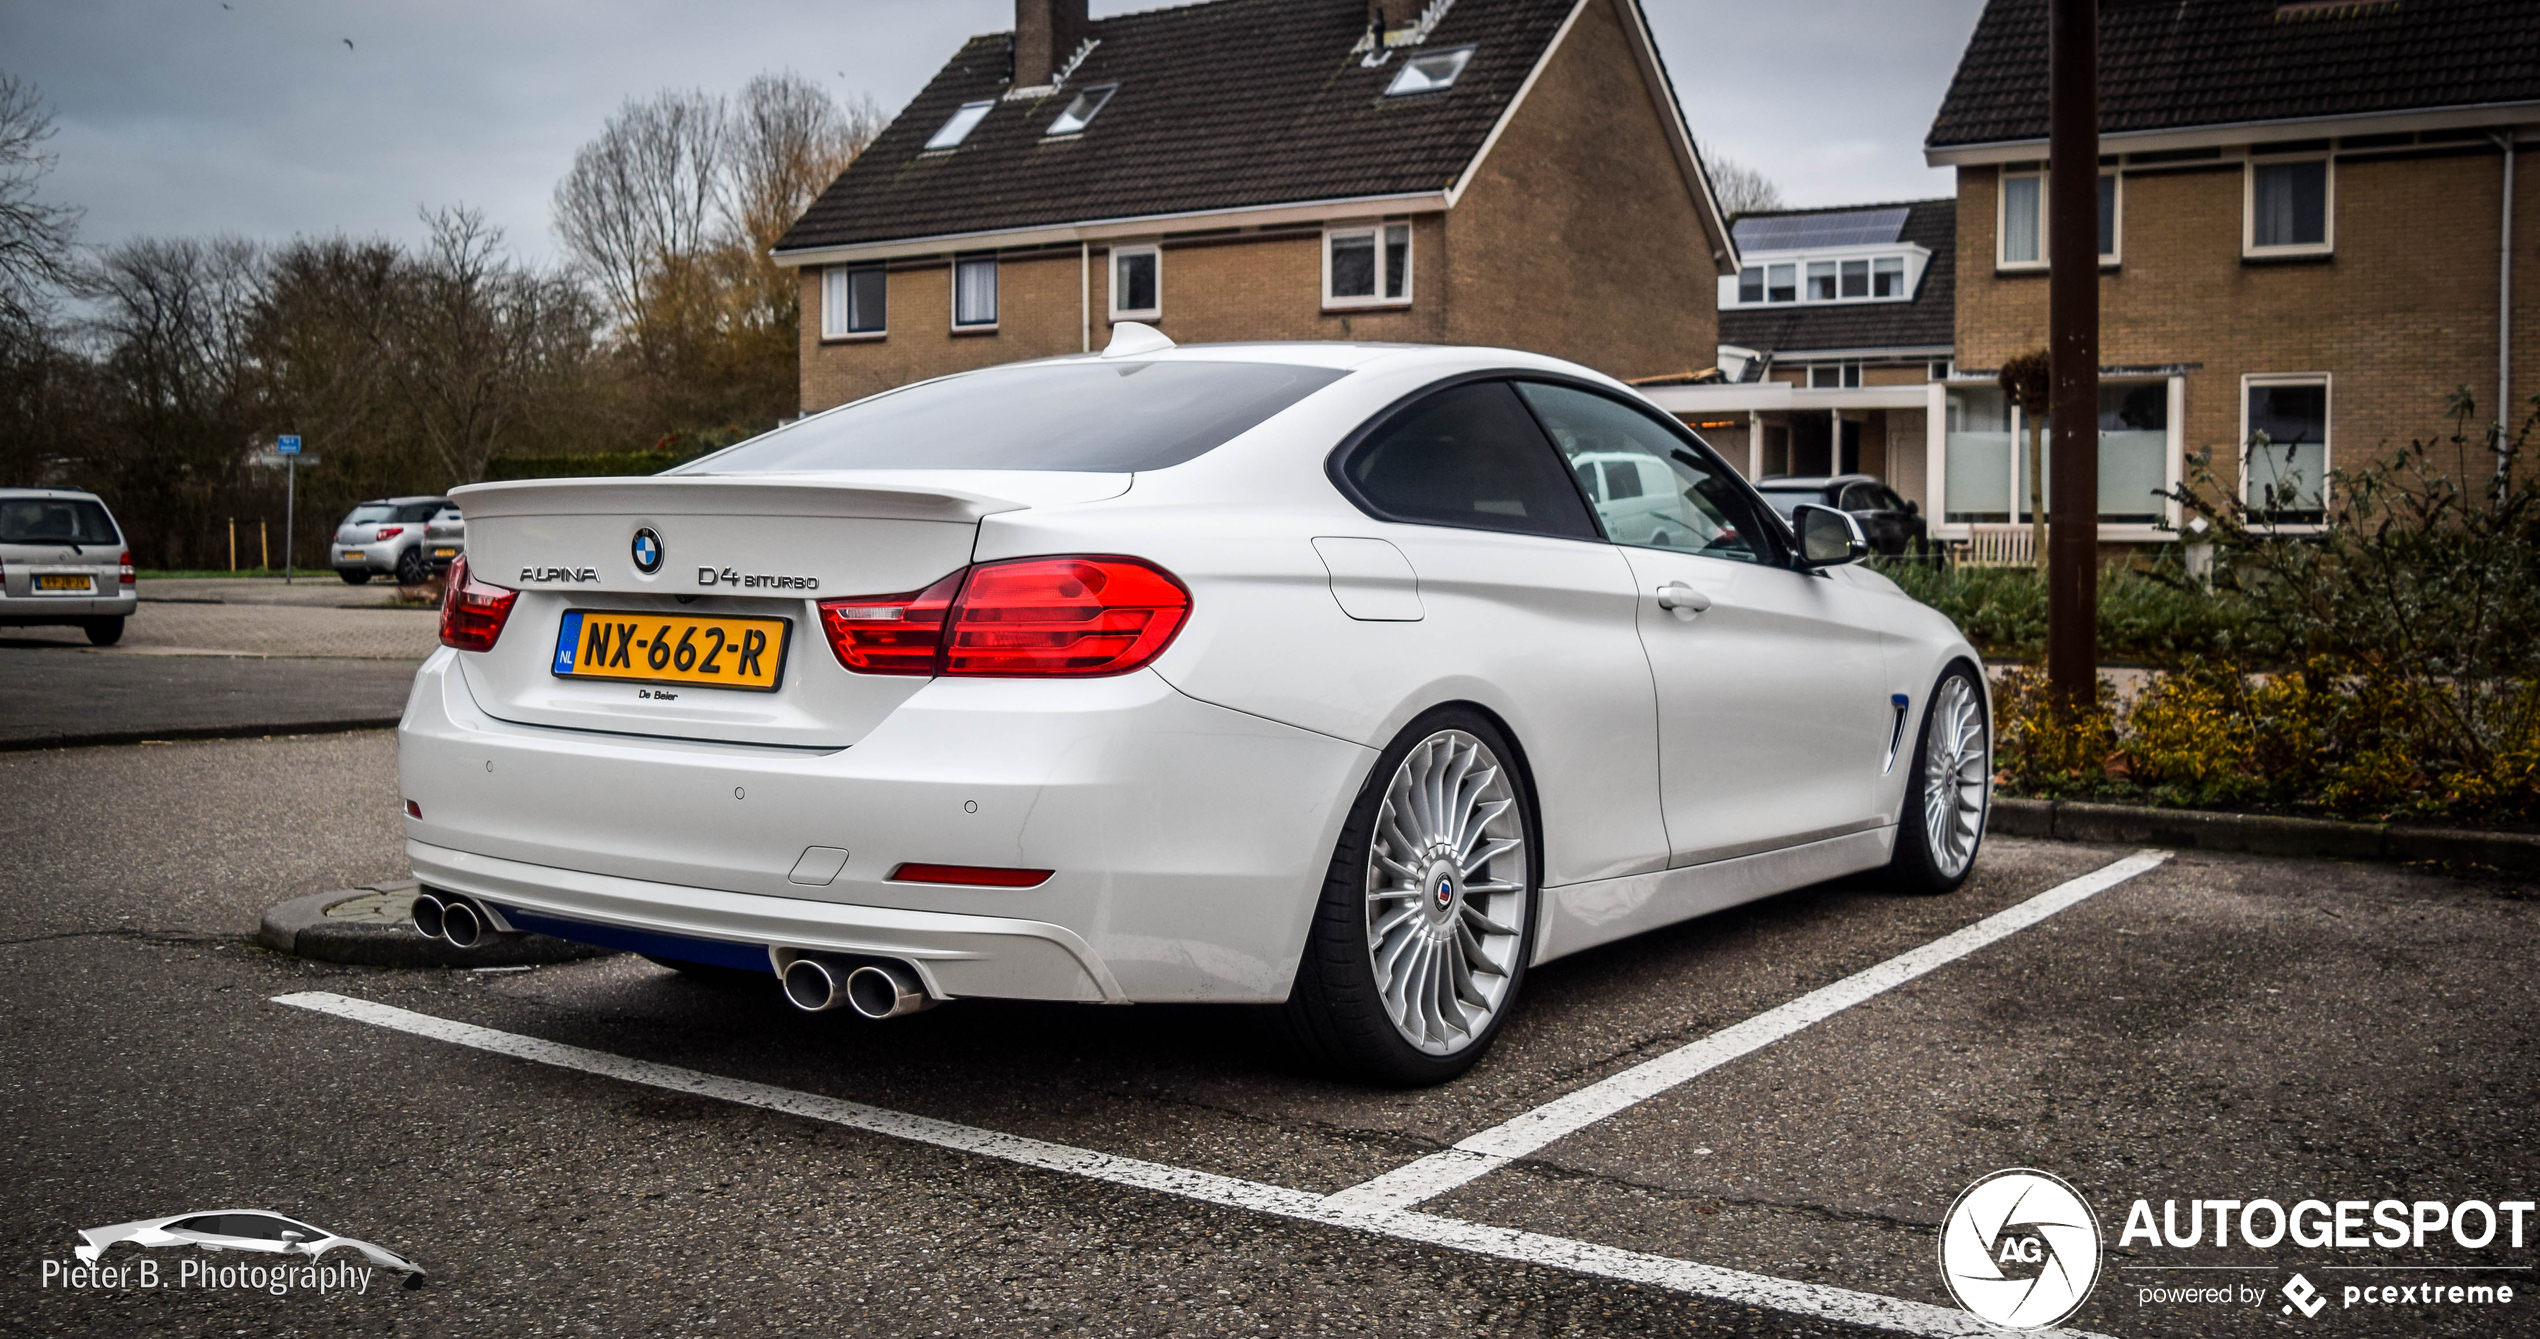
1733	1286
1496	1147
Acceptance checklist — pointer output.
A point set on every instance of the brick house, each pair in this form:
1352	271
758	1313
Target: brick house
2304	231
1832	332
1511	172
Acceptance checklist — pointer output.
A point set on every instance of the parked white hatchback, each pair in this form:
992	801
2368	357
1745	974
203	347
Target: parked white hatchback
1293	674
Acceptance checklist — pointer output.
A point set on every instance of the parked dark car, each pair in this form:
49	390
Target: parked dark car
1894	525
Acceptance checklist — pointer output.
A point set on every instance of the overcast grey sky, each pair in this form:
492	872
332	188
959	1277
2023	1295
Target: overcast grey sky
256	117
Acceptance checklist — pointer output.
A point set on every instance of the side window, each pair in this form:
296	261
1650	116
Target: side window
1860	497
1467	456
1696	503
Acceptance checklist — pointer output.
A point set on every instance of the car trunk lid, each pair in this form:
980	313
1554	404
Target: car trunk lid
759	547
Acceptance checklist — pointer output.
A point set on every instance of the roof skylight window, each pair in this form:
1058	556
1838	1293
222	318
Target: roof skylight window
959	127
1081	110
1431	73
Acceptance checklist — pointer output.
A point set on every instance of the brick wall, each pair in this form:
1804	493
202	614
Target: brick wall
1577	237
2404	312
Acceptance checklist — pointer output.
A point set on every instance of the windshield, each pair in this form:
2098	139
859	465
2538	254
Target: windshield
1087	416
42	520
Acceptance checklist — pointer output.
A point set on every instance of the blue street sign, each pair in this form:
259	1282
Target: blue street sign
289	446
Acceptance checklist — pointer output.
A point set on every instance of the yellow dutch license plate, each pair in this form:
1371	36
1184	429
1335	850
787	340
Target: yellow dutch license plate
352	555
62	583
445	553
706	651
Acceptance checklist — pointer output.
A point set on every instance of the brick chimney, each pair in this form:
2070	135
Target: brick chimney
1046	33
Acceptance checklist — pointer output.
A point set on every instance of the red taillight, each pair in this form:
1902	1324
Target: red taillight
389	532
413	810
977	876
890	634
123	569
472	612
1027	618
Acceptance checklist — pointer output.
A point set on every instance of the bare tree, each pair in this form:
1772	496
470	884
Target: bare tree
478	341
639	210
1742	189
35	238
789	140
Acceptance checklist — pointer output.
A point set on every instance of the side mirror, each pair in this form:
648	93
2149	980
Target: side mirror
1913	508
1827	538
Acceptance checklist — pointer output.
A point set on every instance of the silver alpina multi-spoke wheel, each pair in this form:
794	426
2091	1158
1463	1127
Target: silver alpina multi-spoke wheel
1426	920
1446	892
1947	792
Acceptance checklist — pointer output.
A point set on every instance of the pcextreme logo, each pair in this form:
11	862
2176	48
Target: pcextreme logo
2020	1248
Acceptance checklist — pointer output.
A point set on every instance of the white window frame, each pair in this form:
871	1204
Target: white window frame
1376	228
2327	383
1936	464
953	293
1913	260
1120	313
1847	376
1416	65
946	139
2002	262
2326	245
836	311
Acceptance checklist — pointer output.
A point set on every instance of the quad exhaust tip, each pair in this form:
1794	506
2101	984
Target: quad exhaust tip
871	989
452	920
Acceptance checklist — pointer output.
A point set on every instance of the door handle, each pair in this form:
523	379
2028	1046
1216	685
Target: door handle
1682	600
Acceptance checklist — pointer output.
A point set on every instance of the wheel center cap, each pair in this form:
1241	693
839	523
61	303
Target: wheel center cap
1441	888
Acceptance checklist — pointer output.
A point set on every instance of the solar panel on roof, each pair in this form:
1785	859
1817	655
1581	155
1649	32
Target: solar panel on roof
1801	232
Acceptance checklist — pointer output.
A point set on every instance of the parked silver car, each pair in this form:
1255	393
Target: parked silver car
63	563
385	535
444	537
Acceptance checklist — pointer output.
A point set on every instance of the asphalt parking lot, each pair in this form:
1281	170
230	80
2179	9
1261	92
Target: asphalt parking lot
608	1148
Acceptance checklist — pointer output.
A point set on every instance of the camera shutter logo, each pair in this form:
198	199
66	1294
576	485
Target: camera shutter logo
647	551
2020	1248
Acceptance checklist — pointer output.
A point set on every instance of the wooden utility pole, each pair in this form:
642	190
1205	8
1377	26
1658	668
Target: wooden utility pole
2072	231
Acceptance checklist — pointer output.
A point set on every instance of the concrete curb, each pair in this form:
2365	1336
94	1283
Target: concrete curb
301	928
2263	834
72	741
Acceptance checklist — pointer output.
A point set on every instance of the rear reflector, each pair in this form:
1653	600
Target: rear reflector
1074	617
472	612
413	810
977	876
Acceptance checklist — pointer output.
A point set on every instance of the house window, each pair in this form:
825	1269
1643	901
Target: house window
1136	283
2288	208
1750	284
1887	277
1821	281
1834	376
959	127
1977	471
2021	242
1940	369
2134	451
1986	469
2284	469
1432	73
974	293
1783	285
1367	267
1866	279
1081	109
854	302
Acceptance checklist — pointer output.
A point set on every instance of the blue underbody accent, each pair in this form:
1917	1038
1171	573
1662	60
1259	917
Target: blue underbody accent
678	948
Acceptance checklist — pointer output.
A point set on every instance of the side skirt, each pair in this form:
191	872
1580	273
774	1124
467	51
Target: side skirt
1583	915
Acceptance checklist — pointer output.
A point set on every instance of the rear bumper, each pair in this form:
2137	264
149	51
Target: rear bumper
1189	842
33	610
375	557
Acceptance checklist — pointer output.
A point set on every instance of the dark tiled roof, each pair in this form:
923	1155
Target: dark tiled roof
2214	62
1929	321
1221	105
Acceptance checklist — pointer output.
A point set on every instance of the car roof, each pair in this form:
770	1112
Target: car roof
393	501
51	493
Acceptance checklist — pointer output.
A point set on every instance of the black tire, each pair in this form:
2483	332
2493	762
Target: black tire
714	974
1917	867
412	568
1335	1017
104	631
354	576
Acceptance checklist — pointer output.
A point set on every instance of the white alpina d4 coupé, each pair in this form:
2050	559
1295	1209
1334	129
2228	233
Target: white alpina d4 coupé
1319	676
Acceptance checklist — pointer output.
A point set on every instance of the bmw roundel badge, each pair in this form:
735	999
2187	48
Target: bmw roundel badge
647	551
